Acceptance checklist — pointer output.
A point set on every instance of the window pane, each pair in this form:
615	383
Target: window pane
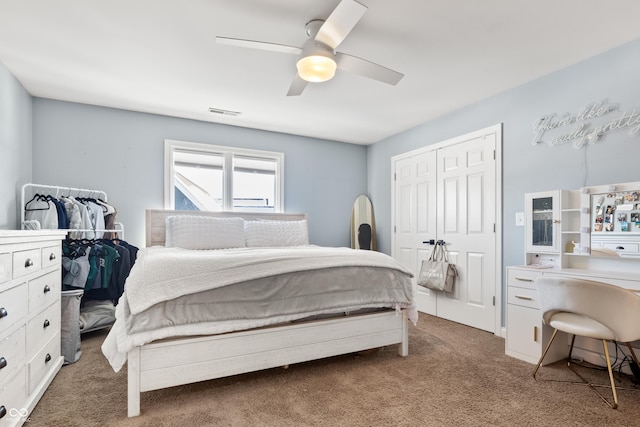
198	181
254	184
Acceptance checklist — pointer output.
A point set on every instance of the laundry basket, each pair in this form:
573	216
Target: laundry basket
70	325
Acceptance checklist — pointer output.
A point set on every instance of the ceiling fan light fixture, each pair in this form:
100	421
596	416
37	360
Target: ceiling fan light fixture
316	68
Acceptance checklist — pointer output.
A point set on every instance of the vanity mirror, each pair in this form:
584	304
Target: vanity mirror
615	220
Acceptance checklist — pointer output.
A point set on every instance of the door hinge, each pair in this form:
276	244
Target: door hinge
394	229
494	154
394	176
494	300
494	227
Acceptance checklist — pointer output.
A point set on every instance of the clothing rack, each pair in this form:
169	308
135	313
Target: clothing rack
29	190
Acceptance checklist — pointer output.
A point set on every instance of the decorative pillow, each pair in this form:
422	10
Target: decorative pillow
276	233
201	232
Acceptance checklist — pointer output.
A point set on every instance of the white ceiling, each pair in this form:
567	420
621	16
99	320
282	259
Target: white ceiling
160	56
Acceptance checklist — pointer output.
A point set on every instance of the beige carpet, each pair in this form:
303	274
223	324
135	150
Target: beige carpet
454	375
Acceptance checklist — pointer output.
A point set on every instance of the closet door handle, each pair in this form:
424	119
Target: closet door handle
46	323
28	263
3	362
46	289
3	312
47	358
52	256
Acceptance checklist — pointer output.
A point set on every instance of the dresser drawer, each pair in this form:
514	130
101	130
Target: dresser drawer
43	361
5	268
42	327
522	278
13	306
12	397
26	262
12	355
51	256
43	291
523	296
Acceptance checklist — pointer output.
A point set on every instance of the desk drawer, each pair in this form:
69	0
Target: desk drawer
13	306
522	278
623	248
26	262
523	296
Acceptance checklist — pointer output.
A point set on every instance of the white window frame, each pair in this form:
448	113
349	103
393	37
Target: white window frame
228	152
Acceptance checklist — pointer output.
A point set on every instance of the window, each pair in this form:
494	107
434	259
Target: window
215	178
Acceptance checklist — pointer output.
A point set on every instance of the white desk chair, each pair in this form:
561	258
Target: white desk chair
590	309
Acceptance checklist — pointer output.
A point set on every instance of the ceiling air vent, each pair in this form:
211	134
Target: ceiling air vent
224	112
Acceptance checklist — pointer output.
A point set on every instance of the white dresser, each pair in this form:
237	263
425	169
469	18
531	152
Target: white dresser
30	281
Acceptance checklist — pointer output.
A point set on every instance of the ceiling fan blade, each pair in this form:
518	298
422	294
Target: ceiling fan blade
297	86
274	47
360	66
340	23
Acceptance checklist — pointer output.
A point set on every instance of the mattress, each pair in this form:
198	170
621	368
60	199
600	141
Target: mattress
293	284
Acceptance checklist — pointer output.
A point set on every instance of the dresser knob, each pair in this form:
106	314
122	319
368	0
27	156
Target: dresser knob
46	323
3	411
3	362
47	358
52	257
3	312
46	289
28	263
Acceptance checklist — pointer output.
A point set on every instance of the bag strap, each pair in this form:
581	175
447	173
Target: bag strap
445	253
433	253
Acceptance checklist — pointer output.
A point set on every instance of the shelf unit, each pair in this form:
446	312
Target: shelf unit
568	216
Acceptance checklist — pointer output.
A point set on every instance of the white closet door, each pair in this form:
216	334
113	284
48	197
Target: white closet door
466	195
448	192
415	217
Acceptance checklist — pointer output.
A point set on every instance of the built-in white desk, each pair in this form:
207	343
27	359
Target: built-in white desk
527	335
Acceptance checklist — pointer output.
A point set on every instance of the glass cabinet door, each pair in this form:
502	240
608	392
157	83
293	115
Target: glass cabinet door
542	210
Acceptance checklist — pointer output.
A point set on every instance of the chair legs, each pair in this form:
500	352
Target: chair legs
613	404
544	353
633	354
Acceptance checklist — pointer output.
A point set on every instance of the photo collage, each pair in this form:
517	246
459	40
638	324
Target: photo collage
617	212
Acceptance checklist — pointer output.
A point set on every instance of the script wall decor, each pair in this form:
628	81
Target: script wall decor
589	125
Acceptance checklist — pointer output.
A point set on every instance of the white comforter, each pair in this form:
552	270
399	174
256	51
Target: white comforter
164	274
161	274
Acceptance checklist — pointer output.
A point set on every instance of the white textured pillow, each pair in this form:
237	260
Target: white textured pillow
201	232
276	233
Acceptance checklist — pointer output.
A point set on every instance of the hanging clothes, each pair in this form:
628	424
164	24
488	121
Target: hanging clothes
40	208
99	267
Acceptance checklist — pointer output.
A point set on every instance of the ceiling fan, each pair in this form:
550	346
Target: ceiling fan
318	59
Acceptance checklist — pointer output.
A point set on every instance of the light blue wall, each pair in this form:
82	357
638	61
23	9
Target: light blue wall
528	168
121	152
15	146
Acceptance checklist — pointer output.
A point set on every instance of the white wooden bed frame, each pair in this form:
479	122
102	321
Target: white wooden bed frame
184	360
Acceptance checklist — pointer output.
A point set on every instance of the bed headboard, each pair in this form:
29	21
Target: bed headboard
156	220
